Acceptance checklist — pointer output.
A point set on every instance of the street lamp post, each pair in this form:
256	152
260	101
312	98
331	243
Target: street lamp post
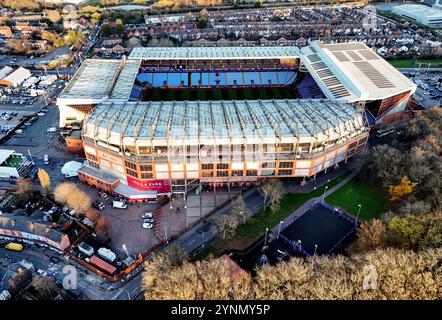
314	254
323	195
279	228
265	239
241	213
359	211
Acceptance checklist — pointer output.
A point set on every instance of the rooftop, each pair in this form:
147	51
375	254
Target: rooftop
5	154
93	80
419	10
352	71
195	122
184	53
126	79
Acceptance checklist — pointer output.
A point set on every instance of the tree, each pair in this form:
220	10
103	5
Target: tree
63	191
405	187
415	232
45	288
24	186
44	179
383	274
69	194
273	192
119	27
71	38
106	30
103	228
239	207
96	16
53	15
79	201
225	224
371	235
80	37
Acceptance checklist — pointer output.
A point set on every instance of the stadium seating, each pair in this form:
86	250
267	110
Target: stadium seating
213	79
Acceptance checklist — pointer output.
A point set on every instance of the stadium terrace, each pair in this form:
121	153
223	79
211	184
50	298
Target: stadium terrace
165	119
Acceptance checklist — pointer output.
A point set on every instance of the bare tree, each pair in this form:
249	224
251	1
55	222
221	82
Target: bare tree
239	207
63	191
103	228
273	192
371	235
24	186
225	224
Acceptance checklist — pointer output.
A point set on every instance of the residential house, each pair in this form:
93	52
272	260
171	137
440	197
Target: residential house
5	31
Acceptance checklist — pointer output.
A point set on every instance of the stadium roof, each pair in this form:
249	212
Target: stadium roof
352	71
126	79
222	122
182	53
93	80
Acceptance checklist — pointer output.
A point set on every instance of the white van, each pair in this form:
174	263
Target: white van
46	159
119	205
86	249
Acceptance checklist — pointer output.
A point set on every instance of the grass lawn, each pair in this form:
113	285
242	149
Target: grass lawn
408	63
372	199
248	233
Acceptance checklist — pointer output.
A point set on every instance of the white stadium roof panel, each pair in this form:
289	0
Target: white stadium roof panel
183	53
353	72
126	79
93	80
209	121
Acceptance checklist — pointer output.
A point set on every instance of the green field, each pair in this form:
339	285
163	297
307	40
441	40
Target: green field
219	94
408	63
373	200
248	233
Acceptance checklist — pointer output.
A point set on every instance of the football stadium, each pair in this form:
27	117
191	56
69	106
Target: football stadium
173	119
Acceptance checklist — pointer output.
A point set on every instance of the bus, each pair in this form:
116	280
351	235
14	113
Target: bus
12	246
102	265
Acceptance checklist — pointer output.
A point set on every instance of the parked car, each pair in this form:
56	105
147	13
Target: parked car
147	225
46	159
98	205
103	195
146	215
119	205
148	220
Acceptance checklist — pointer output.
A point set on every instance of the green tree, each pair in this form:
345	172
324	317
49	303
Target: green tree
119	29
106	30
71	38
80	37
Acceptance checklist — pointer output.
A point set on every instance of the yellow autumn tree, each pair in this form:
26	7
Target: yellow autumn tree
44	179
405	187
